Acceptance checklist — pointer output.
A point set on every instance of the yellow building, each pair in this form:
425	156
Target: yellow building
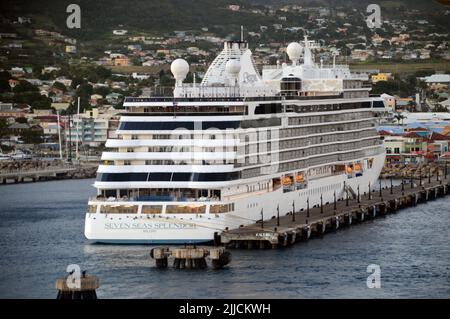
121	61
381	77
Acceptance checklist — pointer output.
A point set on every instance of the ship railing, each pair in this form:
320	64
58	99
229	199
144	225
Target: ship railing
153	199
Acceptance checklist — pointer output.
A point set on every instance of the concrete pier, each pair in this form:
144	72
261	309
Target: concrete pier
190	257
86	289
48	173
334	216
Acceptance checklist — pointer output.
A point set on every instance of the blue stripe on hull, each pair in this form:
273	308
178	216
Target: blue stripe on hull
149	241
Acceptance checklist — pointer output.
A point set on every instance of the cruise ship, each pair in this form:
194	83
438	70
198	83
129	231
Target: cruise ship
237	147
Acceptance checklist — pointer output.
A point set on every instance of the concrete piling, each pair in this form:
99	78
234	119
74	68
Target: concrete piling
86	289
190	257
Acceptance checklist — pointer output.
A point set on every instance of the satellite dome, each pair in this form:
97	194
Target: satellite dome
179	69
294	51
233	67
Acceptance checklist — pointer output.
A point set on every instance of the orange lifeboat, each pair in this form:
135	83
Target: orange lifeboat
299	178
357	167
287	181
349	170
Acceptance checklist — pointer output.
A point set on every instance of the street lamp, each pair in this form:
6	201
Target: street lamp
293	210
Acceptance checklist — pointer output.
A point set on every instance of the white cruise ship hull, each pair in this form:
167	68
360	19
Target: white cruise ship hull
191	228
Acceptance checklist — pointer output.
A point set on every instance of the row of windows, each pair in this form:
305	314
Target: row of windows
313	150
302	164
260	146
157	209
302	142
169	126
329	107
203	125
167	177
329	118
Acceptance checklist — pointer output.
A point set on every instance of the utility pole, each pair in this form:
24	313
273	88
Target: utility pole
293	210
278	215
69	154
307	207
59	136
78	123
262	218
359	197
335	204
321	204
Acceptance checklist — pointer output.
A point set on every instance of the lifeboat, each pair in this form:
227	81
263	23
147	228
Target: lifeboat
357	167
299	178
287	181
349	170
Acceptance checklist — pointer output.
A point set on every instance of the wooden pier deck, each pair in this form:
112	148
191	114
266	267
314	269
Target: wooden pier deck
285	231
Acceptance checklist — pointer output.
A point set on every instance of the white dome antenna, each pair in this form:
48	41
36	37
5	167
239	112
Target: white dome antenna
294	51
179	69
233	67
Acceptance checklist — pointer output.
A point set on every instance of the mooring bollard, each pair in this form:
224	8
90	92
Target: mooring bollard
85	289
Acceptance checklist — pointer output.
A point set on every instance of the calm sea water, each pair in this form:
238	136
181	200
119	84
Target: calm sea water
41	232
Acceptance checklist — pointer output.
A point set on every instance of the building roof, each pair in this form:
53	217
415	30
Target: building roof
438	137
412	134
438	78
19	126
384	133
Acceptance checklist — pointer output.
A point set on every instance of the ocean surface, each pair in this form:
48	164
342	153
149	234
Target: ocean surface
41	233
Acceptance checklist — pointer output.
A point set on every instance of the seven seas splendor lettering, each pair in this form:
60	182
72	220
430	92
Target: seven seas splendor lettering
125	225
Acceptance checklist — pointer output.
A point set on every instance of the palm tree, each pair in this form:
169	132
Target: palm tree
399	117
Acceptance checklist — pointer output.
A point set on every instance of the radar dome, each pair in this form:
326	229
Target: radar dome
294	51
233	67
179	69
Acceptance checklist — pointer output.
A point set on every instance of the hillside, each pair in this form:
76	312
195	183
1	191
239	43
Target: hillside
102	16
99	17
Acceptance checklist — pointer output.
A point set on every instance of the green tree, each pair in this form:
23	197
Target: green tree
31	137
42	103
25	86
102	90
3	127
60	86
21	120
4	84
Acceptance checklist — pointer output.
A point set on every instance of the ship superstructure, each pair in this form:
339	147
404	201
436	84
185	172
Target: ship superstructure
235	147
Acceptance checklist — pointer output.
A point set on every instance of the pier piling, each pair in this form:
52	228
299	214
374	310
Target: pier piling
85	290
192	257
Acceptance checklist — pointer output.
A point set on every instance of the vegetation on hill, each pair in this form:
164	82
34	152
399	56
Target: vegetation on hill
102	16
